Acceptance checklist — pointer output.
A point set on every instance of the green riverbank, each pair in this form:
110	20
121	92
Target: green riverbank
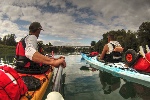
7	50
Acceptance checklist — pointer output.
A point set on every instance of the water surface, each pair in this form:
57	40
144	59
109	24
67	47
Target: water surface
95	85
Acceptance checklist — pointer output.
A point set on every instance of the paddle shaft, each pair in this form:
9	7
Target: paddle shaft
58	78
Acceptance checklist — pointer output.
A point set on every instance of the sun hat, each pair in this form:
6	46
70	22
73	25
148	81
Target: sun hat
35	26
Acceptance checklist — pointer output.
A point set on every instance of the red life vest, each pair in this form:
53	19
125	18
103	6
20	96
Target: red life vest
12	86
20	55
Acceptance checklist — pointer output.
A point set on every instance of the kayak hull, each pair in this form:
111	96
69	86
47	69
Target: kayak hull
119	70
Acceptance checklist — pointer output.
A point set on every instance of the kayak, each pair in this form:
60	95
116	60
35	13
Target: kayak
119	70
44	77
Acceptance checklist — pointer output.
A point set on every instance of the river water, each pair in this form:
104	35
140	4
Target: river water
84	83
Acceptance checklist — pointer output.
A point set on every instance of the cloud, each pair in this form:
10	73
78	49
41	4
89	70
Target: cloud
132	13
31	14
72	22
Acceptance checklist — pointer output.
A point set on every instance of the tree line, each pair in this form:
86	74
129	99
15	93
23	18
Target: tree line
128	39
9	42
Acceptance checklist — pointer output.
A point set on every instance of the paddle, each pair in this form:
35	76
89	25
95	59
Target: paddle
147	49
142	51
58	77
56	90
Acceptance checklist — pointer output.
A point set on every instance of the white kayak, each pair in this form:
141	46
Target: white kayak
118	70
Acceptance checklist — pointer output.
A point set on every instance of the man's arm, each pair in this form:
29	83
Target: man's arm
39	58
119	49
57	58
34	55
105	49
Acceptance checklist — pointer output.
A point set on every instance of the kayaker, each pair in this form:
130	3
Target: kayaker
112	50
27	49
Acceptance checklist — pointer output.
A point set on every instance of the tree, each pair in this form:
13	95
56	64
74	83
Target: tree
143	34
93	43
9	40
50	44
98	46
0	40
130	41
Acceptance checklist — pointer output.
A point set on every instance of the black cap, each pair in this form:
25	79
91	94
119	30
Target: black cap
35	26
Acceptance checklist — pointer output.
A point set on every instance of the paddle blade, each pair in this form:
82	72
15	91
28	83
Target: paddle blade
142	51
147	49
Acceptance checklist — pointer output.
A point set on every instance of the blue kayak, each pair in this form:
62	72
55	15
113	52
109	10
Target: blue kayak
118	70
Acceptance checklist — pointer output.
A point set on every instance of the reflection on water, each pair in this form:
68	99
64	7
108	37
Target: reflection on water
109	82
134	90
85	83
7	59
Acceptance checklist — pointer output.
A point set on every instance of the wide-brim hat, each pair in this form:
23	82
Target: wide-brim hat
35	26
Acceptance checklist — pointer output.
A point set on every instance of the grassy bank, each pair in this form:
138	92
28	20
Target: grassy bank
7	50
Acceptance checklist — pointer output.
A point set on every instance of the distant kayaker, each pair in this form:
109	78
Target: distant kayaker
112	50
27	50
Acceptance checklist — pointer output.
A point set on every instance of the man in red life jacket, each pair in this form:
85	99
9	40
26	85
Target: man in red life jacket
27	50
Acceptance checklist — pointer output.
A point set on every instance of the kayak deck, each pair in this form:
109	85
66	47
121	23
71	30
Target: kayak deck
38	94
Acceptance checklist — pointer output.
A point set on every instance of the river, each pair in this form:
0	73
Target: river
84	83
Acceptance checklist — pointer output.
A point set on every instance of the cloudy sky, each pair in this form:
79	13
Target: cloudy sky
72	22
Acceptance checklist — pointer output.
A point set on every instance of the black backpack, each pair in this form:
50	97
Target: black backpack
114	56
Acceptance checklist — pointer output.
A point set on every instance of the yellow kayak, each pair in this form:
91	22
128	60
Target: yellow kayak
39	93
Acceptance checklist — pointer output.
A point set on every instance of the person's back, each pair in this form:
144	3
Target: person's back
113	55
112	51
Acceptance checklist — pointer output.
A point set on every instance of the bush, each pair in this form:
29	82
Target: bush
7	50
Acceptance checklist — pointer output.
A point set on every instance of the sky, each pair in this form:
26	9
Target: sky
72	22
